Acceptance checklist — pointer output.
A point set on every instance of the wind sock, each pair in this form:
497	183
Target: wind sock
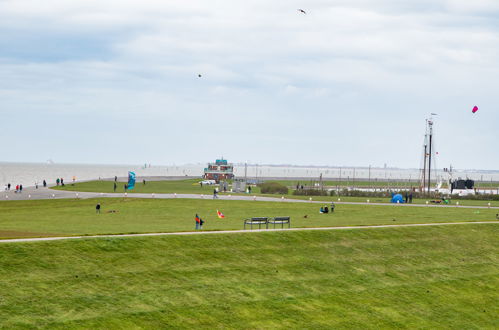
220	215
475	109
131	180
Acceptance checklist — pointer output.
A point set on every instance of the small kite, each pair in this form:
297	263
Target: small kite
302	11
199	75
220	215
475	109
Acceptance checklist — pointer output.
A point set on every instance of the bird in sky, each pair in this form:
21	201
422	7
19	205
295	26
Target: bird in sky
302	11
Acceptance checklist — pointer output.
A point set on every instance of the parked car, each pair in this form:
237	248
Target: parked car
208	182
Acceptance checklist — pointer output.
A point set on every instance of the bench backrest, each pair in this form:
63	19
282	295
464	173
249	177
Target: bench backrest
282	218
259	219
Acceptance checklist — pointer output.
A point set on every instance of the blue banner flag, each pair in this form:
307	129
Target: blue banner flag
131	180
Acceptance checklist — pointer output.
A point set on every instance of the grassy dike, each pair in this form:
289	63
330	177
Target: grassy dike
40	218
438	277
191	186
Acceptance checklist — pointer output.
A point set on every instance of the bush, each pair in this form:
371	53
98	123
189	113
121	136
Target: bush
310	192
273	188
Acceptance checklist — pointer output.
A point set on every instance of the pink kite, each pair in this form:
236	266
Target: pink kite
475	109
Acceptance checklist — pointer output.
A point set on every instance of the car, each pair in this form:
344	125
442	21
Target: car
208	182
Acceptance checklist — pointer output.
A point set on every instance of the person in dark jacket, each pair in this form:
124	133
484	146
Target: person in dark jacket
97	208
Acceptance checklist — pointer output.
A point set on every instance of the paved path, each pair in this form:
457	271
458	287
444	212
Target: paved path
43	239
45	193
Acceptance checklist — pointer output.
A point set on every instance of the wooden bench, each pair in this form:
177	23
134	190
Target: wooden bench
281	220
257	221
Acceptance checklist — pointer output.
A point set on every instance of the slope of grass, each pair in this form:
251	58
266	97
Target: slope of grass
77	217
439	277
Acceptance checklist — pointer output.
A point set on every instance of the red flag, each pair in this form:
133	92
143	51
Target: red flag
220	214
475	109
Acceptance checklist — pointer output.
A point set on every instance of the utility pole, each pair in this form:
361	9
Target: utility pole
370	176
430	126
246	172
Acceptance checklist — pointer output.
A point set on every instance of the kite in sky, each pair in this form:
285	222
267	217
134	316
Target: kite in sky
302	11
199	75
475	109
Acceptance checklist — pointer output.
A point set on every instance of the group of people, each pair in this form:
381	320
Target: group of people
408	197
325	209
59	182
19	188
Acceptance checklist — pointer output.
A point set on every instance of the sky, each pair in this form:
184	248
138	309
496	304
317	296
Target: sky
349	83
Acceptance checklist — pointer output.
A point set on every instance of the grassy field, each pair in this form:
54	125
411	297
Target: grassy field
438	277
191	186
77	217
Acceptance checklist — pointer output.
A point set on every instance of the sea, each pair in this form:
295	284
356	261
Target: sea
28	174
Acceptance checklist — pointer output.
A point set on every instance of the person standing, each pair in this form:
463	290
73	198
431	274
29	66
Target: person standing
97	208
249	189
115	178
115	186
215	192
44	184
20	188
332	207
36	184
410	197
406	197
8	186
62	182
144	182
125	186
57	181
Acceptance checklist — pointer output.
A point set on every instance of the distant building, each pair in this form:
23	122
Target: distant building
219	170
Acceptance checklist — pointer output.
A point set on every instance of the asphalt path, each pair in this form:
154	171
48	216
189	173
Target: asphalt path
41	193
201	232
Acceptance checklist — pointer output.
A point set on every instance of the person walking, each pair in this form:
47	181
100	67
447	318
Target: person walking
215	193
62	182
44	184
97	208
115	178
332	207
144	182
20	188
8	186
17	188
57	181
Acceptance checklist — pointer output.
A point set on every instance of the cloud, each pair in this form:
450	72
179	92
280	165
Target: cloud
351	71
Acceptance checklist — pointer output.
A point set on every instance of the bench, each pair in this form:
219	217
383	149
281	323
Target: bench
257	221
281	220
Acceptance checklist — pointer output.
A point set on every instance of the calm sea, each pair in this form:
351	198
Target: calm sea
29	173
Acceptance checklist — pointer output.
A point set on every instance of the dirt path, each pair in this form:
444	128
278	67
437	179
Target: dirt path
43	239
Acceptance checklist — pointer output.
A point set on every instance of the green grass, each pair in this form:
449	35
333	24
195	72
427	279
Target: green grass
438	277
191	186
77	217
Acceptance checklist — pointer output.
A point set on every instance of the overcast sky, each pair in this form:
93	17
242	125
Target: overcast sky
349	83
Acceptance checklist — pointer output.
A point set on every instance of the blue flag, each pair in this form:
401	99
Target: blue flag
131	180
